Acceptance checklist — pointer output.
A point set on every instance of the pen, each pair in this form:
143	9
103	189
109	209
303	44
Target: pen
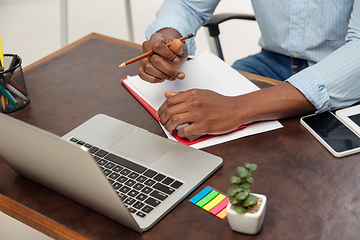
3	101
1	54
8	96
16	92
152	52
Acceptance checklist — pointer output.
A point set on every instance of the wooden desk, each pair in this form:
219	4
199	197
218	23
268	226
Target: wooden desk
311	194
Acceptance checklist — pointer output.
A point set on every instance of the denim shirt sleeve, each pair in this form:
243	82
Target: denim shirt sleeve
334	82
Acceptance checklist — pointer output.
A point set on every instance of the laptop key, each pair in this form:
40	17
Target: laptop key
87	145
133	175
164	188
167	181
125	172
117	185
176	184
138	205
146	190
141	179
109	165
138	186
117	168
132	210
133	193
73	140
101	153
114	175
93	149
107	172
147	209
140	214
124	189
150	173
153	202
159	195
102	162
130	183
122	179
129	201
159	177
149	182
141	197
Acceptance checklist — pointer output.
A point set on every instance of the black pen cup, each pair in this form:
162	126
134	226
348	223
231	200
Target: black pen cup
13	93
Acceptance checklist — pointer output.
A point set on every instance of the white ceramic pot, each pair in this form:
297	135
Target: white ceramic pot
249	223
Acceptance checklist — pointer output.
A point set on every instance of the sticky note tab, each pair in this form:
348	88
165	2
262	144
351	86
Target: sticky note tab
200	195
214	202
207	199
222	214
220	206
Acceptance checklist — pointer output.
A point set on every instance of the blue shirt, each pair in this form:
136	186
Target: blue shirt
324	32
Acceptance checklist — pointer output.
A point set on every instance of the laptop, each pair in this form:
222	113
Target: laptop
117	169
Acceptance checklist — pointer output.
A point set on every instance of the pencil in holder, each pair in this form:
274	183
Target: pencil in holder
13	92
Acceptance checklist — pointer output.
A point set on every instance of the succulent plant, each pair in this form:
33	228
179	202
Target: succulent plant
239	193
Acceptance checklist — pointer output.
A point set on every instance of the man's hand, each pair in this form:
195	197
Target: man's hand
208	112
164	63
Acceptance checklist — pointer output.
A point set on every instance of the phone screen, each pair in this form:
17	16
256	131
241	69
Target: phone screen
330	129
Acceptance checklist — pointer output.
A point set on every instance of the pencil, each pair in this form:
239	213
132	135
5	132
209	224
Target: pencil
138	58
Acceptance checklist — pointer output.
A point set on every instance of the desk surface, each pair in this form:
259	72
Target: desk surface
311	194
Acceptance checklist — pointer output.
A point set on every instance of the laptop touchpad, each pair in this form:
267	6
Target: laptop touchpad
143	146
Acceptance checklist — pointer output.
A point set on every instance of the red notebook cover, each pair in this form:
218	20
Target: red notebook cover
174	134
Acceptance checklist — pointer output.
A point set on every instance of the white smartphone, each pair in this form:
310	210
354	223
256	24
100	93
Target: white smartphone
332	133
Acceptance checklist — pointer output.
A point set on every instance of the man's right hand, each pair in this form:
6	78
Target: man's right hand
164	63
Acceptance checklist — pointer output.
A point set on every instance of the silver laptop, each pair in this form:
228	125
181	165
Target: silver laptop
119	170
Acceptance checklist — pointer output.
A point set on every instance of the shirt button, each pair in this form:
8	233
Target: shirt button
295	55
297	21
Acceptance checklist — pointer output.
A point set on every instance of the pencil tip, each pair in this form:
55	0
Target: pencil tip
122	65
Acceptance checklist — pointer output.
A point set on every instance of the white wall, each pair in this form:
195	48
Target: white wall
31	28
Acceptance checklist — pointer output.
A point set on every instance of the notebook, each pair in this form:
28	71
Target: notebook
106	165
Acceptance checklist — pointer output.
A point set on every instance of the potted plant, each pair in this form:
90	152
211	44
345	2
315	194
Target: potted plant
246	211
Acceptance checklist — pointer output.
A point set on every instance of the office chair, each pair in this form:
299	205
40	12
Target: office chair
214	32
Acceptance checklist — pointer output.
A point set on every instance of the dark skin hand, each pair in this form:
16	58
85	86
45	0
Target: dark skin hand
163	65
208	112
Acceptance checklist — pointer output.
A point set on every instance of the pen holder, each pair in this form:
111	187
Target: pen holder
13	92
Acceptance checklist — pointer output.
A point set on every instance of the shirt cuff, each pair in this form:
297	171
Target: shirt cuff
176	23
310	84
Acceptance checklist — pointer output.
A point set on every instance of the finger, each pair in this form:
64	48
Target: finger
170	94
150	77
170	101
165	67
176	121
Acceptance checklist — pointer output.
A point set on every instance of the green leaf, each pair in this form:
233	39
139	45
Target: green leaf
252	167
232	192
240	209
247	165
234	201
242	172
235	180
250	201
250	180
241	196
245	185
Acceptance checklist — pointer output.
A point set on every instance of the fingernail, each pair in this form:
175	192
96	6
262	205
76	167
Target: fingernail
172	78
157	115
180	76
176	60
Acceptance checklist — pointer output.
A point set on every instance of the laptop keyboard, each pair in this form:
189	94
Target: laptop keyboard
140	188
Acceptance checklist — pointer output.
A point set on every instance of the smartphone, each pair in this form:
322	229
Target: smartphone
332	133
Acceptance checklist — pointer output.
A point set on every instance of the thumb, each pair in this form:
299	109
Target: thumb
176	47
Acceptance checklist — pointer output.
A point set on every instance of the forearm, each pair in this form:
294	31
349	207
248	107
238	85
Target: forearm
276	102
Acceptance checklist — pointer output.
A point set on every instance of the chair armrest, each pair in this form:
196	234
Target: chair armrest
213	24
